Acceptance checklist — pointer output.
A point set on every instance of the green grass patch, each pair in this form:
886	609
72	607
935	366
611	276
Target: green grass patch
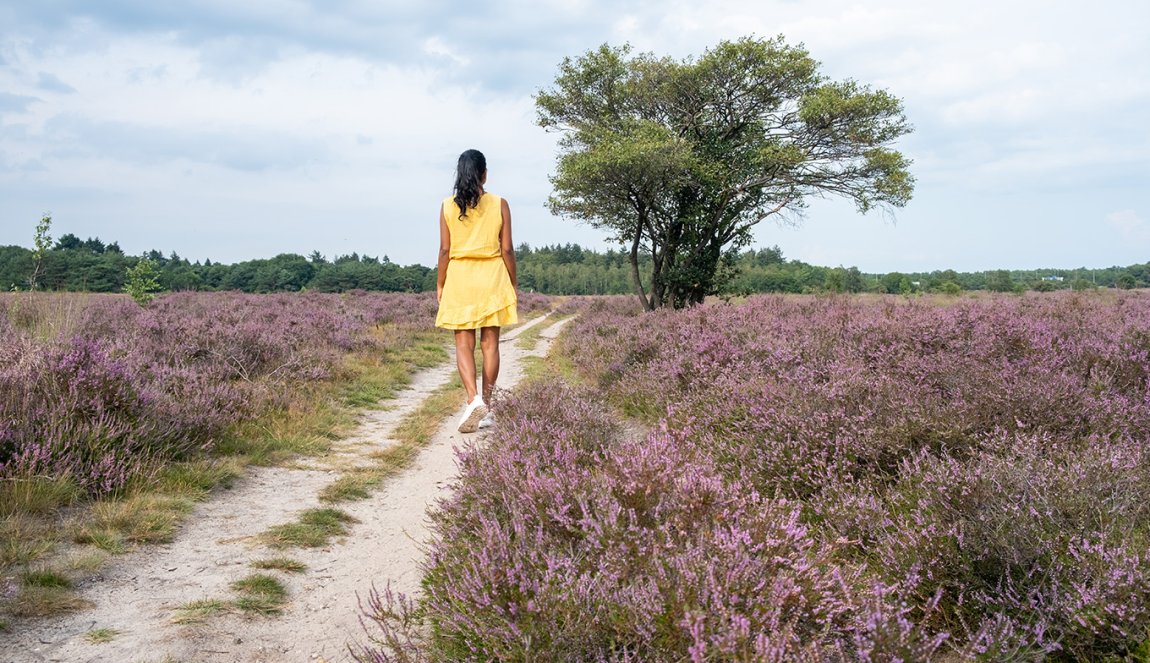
108	541
314	529
379	376
101	635
528	339
417	428
33	601
260	594
45	578
302	430
285	564
84	560
114	525
199	611
25	539
555	366
36	495
195	479
355	484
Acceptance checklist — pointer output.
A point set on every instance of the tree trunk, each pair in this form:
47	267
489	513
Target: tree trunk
636	280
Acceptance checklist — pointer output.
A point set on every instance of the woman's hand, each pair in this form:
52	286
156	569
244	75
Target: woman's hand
438	293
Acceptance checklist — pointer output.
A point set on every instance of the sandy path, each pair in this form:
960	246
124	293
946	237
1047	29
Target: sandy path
137	594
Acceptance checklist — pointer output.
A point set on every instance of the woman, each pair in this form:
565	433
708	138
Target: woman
476	286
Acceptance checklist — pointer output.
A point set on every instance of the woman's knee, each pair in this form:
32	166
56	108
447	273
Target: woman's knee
465	337
489	337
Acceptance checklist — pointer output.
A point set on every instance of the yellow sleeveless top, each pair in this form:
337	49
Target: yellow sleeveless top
477	291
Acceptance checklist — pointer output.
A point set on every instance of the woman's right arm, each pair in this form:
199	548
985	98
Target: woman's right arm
506	245
444	254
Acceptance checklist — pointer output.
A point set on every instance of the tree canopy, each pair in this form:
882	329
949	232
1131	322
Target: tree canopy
681	159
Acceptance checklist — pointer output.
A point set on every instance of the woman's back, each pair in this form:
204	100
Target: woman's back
477	234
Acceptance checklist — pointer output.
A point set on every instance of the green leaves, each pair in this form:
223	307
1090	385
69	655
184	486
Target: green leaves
682	158
143	281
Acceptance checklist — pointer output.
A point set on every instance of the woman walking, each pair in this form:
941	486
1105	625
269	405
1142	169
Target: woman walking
477	284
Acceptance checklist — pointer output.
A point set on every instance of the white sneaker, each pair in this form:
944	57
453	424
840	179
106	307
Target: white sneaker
487	421
472	416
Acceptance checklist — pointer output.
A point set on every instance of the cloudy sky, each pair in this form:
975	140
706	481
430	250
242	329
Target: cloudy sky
235	130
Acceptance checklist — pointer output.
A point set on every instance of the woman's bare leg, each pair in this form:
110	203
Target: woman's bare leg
489	342
465	360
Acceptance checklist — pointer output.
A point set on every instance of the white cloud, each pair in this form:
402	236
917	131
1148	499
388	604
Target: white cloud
436	46
342	122
1129	225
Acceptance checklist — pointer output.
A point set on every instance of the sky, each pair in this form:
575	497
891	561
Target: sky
236	130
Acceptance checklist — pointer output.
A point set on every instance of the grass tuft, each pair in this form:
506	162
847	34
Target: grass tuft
109	541
35	601
149	518
24	539
356	484
314	529
194	480
85	560
528	339
417	428
378	376
286	564
199	611
261	594
44	592
45	578
36	495
101	635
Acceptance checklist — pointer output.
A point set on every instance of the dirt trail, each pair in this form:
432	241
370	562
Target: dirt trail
138	594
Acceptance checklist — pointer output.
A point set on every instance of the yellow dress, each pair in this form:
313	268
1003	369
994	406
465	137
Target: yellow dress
477	291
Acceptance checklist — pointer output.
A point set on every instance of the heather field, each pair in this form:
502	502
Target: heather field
115	418
807	478
101	392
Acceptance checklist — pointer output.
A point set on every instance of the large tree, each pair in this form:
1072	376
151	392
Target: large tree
681	159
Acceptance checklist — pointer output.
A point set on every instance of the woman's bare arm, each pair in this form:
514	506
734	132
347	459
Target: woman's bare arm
444	255
506	245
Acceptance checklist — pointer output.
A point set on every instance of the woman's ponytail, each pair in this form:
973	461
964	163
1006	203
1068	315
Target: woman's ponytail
469	180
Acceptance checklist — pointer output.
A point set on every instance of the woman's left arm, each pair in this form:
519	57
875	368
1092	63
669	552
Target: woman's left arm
444	255
506	245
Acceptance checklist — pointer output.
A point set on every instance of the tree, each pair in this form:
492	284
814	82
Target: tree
143	282
892	283
835	280
999	281
853	280
42	241
680	160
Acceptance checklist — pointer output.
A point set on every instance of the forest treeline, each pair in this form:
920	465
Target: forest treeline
91	265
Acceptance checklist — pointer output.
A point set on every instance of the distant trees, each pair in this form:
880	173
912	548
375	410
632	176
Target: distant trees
71	263
999	281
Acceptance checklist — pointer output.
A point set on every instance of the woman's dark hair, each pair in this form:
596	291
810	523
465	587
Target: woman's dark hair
469	180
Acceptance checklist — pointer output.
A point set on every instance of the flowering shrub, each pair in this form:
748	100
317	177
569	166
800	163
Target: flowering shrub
825	479
111	389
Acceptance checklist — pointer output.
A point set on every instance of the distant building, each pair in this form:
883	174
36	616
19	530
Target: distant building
1052	278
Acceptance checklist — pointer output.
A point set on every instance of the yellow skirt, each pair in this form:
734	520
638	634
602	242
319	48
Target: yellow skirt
477	293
